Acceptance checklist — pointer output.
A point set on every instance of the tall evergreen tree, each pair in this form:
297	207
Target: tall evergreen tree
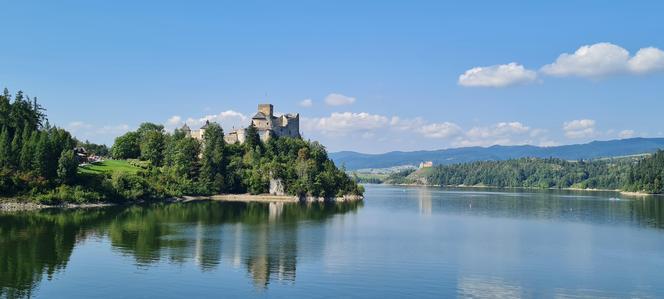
40	160
252	138
25	156
5	148
213	161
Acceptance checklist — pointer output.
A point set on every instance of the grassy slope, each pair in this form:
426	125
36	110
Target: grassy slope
109	166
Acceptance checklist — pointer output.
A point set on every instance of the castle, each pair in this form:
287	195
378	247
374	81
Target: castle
267	124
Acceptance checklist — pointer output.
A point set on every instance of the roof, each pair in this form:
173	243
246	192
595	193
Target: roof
259	115
186	128
207	123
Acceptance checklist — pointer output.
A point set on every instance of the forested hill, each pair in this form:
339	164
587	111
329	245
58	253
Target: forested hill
639	174
592	150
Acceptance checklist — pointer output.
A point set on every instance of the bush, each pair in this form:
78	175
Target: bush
130	186
69	194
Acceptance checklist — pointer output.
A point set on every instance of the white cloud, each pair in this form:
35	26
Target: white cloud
503	133
589	61
228	119
581	128
497	76
336	99
647	60
415	132
344	123
306	103
440	130
626	134
603	59
175	120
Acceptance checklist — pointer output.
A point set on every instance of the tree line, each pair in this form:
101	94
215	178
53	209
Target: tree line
629	174
34	156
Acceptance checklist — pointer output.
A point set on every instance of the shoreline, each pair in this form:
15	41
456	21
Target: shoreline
17	205
626	193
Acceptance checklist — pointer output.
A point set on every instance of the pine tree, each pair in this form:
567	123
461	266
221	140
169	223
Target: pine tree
41	154
16	148
252	138
25	157
5	149
213	160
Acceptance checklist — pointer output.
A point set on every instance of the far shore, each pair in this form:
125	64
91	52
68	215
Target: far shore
626	193
15	205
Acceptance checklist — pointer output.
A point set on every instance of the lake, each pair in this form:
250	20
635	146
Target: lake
400	242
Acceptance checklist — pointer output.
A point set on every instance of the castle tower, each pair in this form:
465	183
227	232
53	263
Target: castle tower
266	109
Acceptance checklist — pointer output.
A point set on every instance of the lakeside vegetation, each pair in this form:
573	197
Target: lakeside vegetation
37	161
633	174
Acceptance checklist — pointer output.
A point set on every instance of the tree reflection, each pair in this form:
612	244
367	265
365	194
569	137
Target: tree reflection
258	236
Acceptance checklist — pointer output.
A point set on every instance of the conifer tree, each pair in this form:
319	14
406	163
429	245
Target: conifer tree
5	149
16	147
213	159
41	155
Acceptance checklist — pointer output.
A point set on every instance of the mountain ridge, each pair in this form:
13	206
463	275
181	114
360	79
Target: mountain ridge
592	150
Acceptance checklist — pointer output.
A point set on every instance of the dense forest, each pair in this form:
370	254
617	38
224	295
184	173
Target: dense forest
642	174
37	161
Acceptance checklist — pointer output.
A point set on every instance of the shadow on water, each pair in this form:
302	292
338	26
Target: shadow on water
258	236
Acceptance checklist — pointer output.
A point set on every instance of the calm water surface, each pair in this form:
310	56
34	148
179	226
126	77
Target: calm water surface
401	242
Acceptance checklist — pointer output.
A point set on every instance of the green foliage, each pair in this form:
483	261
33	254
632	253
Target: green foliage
213	160
633	174
29	147
65	193
67	166
36	159
152	147
126	146
5	148
131	187
648	175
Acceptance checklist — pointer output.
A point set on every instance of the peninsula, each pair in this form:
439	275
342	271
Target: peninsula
43	164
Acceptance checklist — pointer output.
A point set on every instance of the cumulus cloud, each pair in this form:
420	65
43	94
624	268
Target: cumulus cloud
306	103
418	131
603	59
503	133
342	123
174	120
580	128
228	119
647	60
497	76
336	99
440	130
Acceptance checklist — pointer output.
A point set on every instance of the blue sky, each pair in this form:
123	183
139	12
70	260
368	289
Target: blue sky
397	75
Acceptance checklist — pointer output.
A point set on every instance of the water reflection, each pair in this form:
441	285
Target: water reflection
260	237
596	207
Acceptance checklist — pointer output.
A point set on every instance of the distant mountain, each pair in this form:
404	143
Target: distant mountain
592	150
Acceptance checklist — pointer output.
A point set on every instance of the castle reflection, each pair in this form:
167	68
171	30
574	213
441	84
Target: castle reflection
262	238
